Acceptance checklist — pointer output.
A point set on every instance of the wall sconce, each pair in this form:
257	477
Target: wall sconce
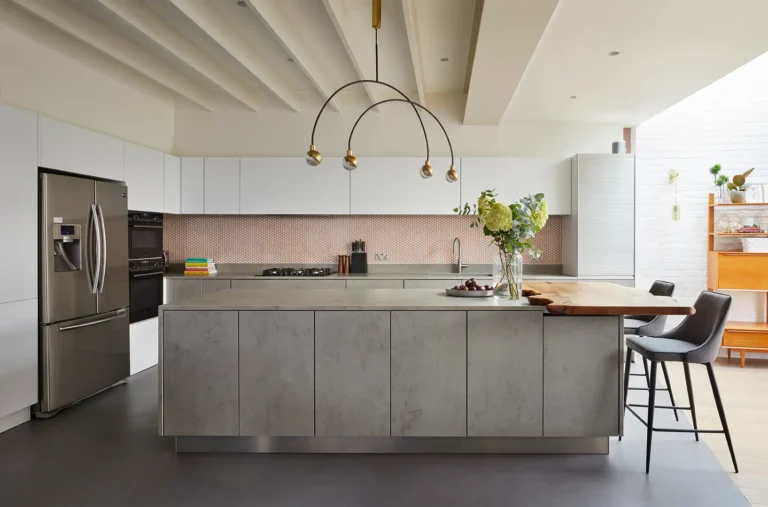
673	176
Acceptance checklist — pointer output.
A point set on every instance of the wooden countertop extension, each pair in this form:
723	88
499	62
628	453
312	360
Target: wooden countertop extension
596	298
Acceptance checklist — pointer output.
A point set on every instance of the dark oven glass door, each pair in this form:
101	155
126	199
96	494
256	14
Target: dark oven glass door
145	241
146	295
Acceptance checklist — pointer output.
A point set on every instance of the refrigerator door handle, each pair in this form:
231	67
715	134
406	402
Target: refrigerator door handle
117	315
88	249
103	274
97	247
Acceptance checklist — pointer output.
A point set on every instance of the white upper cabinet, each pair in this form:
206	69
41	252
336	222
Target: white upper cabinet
604	216
192	185
517	177
393	186
222	185
18	203
171	184
144	177
74	149
288	186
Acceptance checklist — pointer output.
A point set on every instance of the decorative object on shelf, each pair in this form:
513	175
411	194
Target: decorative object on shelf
720	180
728	223
315	158
738	187
754	244
199	266
512	228
755	193
750	229
673	176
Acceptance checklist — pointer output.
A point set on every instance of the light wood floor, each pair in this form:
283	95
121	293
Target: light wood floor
745	399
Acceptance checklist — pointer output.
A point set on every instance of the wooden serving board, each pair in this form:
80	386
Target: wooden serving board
599	298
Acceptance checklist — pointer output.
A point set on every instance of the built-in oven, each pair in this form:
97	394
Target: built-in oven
146	264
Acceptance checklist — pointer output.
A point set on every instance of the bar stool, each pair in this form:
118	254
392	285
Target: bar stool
650	325
695	341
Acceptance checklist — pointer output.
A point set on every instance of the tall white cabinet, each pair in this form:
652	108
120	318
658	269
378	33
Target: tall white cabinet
171	184
18	292
599	235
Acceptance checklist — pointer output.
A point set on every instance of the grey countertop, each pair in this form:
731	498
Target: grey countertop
368	276
348	299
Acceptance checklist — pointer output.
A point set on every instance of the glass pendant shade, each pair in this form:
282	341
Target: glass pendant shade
350	161
452	176
426	170
313	158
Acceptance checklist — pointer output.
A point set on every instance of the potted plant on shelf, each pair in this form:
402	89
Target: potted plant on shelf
738	187
512	229
720	181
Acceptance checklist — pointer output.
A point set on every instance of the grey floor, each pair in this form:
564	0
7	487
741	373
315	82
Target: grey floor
105	452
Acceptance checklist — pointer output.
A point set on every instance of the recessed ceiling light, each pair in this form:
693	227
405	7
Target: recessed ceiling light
443	59
290	59
241	3
613	53
573	96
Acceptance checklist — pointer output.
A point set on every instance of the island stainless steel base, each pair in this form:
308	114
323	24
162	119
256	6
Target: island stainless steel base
395	445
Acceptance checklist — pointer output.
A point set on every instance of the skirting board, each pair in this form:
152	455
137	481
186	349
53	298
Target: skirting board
14	419
395	445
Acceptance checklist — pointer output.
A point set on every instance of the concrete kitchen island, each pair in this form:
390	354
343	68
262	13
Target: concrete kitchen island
386	370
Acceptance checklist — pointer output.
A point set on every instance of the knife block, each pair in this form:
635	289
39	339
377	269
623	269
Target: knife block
359	262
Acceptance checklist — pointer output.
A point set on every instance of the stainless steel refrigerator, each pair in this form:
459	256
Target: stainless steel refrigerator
84	335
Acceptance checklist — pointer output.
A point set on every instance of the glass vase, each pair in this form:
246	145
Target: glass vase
508	274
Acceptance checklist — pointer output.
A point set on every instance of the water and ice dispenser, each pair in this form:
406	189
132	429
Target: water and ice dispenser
67	252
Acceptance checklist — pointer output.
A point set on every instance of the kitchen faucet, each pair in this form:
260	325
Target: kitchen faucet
459	265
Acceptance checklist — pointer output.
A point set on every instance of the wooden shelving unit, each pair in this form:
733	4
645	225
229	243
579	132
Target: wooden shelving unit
735	204
744	271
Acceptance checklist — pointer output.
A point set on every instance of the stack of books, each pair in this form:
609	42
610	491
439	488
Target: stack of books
197	266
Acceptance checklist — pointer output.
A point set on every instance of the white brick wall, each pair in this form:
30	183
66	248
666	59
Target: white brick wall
726	123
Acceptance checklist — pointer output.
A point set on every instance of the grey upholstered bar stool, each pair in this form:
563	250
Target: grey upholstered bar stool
651	325
695	341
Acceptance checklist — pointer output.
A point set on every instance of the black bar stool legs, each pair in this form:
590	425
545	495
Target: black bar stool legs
669	389
721	413
651	409
627	365
688	385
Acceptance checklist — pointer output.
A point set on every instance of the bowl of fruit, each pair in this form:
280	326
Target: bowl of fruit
470	289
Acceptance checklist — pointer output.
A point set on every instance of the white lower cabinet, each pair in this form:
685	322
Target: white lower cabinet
18	357
144	345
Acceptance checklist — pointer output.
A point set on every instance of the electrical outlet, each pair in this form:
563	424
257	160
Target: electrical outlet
381	257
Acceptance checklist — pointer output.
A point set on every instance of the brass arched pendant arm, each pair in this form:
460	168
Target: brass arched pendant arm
414	104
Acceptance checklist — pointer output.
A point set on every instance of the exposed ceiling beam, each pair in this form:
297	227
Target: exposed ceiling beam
286	32
509	32
411	29
249	58
144	20
335	12
68	19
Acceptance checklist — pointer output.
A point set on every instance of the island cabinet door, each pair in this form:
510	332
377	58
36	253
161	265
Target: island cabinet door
199	375
352	373
582	375
277	373
429	374
504	373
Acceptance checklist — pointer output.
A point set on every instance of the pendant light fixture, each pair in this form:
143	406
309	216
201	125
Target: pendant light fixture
315	158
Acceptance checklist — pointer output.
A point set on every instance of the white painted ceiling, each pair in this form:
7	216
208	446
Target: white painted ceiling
510	60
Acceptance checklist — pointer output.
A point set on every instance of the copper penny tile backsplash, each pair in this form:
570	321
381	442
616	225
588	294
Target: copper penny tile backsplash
261	239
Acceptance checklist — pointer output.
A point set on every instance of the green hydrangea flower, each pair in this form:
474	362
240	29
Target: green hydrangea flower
483	206
499	218
540	215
